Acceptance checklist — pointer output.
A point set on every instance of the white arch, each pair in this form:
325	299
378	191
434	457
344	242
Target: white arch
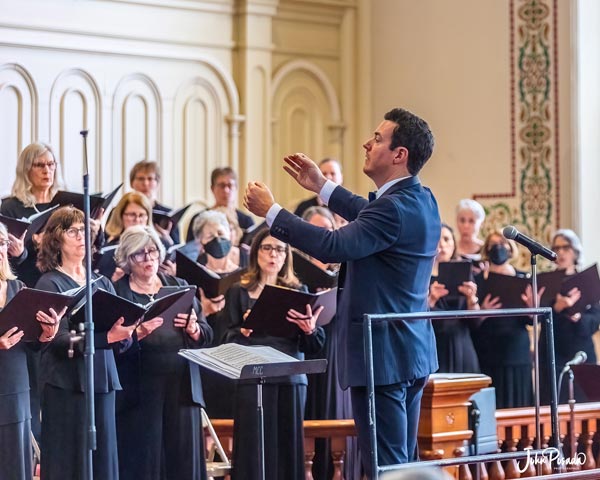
320	77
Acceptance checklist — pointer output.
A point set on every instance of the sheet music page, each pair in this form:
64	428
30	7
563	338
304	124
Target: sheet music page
229	359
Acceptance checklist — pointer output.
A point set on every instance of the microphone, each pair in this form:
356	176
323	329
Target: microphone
579	358
534	247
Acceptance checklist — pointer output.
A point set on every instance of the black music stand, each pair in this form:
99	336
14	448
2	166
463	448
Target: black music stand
257	372
260	372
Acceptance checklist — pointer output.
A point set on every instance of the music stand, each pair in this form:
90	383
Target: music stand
260	372
257	372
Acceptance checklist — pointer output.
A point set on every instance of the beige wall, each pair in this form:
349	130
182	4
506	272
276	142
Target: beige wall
200	83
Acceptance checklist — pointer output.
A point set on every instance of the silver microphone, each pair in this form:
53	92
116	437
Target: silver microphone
579	358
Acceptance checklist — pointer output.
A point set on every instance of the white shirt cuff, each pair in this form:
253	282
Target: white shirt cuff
272	213
326	191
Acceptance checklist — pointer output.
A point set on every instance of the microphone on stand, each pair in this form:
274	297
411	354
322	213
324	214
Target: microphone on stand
579	358
534	247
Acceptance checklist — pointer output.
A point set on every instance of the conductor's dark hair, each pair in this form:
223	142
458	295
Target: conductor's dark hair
412	133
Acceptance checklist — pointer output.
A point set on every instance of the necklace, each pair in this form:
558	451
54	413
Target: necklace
148	289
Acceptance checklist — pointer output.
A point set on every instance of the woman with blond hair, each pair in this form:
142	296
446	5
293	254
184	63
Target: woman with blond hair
134	208
37	180
15	414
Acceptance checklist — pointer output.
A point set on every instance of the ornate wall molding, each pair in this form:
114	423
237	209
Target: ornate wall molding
532	203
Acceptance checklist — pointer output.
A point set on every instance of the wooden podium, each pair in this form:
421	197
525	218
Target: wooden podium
444	424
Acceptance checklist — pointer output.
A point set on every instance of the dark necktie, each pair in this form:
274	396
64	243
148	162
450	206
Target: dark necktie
372	196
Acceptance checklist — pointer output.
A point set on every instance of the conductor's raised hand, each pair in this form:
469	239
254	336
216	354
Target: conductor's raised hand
305	172
258	198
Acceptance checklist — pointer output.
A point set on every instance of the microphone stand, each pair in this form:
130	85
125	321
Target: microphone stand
89	324
536	360
572	443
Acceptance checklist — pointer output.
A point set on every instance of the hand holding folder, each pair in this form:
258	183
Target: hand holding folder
34	224
21	311
107	308
271	309
453	274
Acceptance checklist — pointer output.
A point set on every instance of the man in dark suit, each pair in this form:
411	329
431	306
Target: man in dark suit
388	249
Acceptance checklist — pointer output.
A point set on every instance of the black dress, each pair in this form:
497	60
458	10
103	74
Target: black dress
503	348
283	402
455	349
15	416
64	429
158	410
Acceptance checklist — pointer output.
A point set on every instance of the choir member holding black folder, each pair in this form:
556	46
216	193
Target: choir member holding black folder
37	180
61	256
574	321
283	398
159	423
502	344
15	414
452	288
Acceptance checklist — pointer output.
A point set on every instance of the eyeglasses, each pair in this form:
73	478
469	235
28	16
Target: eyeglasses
74	232
558	248
4	243
146	179
141	256
135	216
41	165
272	248
224	185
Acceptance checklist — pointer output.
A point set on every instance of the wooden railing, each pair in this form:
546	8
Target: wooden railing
515	428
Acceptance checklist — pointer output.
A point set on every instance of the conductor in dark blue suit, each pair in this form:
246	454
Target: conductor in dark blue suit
387	252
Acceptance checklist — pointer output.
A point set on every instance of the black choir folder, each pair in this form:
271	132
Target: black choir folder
588	283
506	287
162	218
32	225
552	283
183	304
22	309
97	202
107	308
270	310
313	276
242	362
453	274
213	284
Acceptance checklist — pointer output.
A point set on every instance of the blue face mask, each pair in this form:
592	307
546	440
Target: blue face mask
218	247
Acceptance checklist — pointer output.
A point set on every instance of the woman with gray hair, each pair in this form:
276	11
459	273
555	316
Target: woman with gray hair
159	408
572	331
469	218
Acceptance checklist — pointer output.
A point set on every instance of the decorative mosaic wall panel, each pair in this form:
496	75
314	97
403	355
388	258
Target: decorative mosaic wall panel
532	204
